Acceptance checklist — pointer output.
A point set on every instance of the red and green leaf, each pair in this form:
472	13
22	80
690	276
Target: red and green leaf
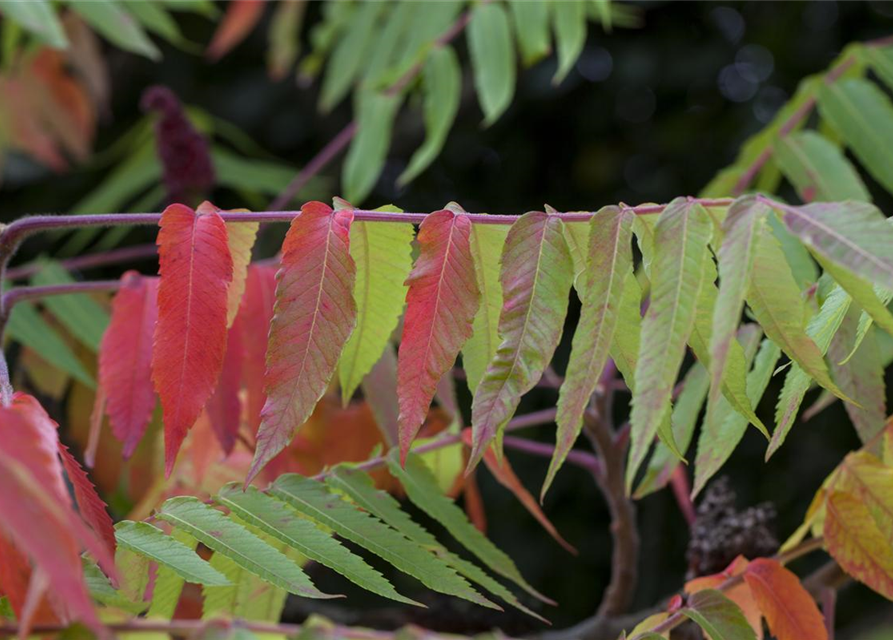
314	316
441	303
788	608
224	407
90	505
190	336
255	316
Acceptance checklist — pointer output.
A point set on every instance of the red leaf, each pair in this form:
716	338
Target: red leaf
241	17
442	300
90	505
190	336
505	475
125	359
786	605
255	316
224	408
314	316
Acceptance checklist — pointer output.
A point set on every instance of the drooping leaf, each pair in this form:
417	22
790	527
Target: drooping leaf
441	303
861	377
442	82
853	235
81	315
125	359
90	505
492	59
380	392
536	275
190	335
531	18
855	541
248	597
788	608
39	17
359	487
224	536
28	327
610	261
625	346
487	242
421	487
720	436
240	237
117	26
382	253
821	329
741	228
157	20
224	407
863	115
369	149
569	22
167	551
285	38
862	293
818	169
867	478
350	54
776	302
240	18
682	235
314	501
880	59
803	267
276	519
255	316
314	316
718	616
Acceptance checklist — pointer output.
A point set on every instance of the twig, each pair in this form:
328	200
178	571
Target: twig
581	459
89	261
829	602
14	296
682	492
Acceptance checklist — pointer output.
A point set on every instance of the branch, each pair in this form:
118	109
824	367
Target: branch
14	296
799	116
91	260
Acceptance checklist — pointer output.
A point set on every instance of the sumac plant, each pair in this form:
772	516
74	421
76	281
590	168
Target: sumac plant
239	354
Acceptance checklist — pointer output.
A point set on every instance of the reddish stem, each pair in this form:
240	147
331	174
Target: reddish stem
682	493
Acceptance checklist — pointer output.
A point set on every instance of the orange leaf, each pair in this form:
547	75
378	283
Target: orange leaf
240	18
314	316
505	475
125	359
739	594
853	538
786	605
441	303
871	481
190	337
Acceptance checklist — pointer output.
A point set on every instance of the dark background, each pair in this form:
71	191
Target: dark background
648	114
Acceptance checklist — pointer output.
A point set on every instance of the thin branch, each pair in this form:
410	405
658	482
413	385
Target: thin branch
581	459
91	260
14	296
801	114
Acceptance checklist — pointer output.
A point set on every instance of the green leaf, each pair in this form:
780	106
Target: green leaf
803	267
818	169
719	437
537	272
77	312
312	499
625	345
487	243
492	59
821	328
569	22
719	617
862	292
248	597
854	235
276	519
861	377
383	256
39	17
880	59
103	592
350	55
169	584
776	302
610	261
359	487
442	84
382	58
167	551
743	225
865	322
863	115
421	487
682	235
531	18
28	327
117	26
222	535
577	236
157	20
369	149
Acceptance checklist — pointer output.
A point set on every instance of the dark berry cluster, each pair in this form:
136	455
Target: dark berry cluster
187	169
721	533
